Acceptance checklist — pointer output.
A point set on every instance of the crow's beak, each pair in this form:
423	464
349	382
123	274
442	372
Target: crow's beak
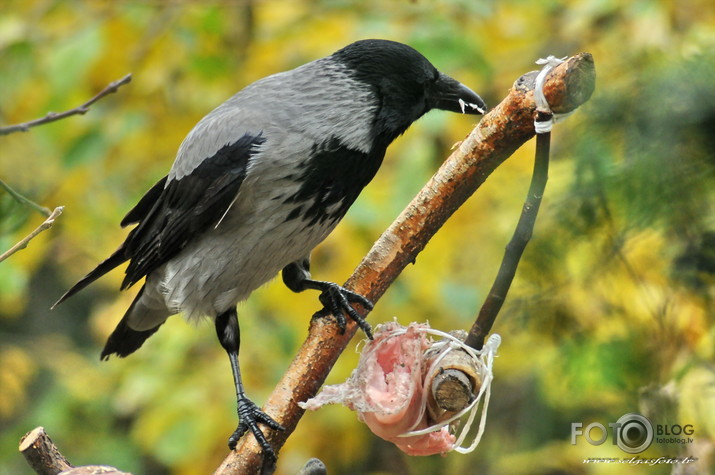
451	95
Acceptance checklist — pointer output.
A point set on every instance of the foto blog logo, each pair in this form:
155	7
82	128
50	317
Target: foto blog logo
632	433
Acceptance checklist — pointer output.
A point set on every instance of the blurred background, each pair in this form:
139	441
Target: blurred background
611	311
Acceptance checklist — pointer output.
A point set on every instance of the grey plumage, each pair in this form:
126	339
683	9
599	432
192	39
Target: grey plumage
263	179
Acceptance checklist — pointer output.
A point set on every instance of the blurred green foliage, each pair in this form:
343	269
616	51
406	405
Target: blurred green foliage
612	308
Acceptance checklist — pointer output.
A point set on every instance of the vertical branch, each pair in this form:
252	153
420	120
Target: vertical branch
522	234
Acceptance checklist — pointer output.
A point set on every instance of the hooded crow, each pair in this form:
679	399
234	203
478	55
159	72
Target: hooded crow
258	183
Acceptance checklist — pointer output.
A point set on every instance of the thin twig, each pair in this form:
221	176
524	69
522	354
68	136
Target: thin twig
25	201
512	255
46	224
82	109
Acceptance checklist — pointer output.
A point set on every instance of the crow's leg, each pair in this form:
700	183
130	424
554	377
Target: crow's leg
249	415
335	299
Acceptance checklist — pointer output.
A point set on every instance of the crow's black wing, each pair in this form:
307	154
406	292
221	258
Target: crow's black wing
187	207
174	212
146	203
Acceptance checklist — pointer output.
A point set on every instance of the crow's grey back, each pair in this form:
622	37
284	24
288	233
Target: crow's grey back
304	106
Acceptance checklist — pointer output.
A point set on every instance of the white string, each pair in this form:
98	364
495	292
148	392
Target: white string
488	351
544	126
483	360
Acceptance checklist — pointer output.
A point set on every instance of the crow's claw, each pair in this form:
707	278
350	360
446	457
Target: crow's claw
249	415
337	299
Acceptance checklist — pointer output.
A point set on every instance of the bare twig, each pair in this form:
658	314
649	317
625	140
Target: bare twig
82	109
522	234
26	201
46	224
497	136
25	126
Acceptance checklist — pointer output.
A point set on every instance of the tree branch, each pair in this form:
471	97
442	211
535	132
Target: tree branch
24	200
24	127
45	458
82	109
46	224
42	454
496	137
522	234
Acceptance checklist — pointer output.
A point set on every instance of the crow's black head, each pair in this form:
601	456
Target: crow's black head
407	84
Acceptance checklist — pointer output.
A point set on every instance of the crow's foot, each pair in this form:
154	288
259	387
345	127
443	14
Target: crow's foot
249	415
337	299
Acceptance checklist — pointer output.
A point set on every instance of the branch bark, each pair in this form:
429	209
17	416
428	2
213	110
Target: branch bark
42	454
503	130
45	458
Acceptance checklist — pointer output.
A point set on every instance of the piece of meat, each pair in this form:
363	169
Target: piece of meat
387	390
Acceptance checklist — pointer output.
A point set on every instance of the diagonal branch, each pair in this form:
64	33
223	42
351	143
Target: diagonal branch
46	224
26	201
496	137
24	127
79	110
42	454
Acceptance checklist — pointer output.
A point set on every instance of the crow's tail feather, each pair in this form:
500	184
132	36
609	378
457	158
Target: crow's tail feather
124	340
105	266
